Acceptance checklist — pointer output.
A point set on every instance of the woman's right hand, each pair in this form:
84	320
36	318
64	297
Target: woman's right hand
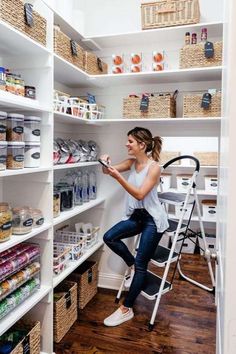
106	158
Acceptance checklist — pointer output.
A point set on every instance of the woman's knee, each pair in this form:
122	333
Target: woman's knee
107	237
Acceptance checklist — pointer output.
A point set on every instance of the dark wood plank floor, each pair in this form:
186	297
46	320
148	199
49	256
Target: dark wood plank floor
185	322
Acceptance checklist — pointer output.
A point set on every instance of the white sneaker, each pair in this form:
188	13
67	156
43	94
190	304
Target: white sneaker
117	317
129	279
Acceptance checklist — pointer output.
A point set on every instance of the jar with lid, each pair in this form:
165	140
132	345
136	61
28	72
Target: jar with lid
22	221
15	127
32	128
37	217
15	155
66	196
32	154
3	155
2	78
56	203
5	222
30	92
3	125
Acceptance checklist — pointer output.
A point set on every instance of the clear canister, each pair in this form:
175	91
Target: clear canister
22	221
15	155
5	222
3	155
37	217
32	154
32	128
56	203
3	125
15	127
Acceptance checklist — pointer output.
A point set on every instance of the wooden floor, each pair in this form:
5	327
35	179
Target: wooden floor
185	322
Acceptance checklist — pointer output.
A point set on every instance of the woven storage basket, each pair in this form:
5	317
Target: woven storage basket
31	340
169	155
62	47
206	158
165	13
13	13
65	309
159	107
192	56
94	65
192	106
86	277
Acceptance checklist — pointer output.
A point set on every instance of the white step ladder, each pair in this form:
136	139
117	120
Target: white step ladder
157	286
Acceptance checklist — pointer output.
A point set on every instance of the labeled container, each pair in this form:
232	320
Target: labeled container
5	222
3	155
15	127
32	154
30	92
179	210
211	183
209	209
165	182
15	155
3	125
22	221
56	203
32	128
183	182
210	240
37	217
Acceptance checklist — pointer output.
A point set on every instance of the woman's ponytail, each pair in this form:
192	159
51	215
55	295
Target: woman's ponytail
156	150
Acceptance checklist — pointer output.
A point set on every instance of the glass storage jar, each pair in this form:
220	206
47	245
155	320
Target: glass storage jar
56	203
15	155
3	155
37	217
22	221
3	125
32	154
15	127
5	222
32	128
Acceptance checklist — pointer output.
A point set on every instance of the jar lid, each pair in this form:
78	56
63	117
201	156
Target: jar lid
209	202
3	143
20	210
16	116
32	143
32	118
16	143
4	206
3	115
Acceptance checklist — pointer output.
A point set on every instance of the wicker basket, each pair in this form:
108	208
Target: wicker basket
206	158
13	13
86	277
94	65
192	106
62	47
159	107
165	13
192	56
169	155
65	309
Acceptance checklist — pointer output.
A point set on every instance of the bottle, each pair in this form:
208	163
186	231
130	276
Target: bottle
194	38
187	38
92	185
85	187
204	35
78	188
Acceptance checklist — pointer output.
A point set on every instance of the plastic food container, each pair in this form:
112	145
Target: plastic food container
15	155
183	182
22	221
37	217
3	155
211	183
15	127
32	154
209	209
3	125
32	128
56	203
5	222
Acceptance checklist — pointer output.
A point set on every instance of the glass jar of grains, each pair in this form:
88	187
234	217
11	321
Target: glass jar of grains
37	217
15	155
5	222
22	221
15	127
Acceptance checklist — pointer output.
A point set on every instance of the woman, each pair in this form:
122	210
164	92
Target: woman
144	213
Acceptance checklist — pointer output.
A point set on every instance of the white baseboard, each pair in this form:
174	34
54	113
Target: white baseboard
109	281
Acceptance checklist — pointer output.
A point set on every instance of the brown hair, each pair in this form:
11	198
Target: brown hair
153	144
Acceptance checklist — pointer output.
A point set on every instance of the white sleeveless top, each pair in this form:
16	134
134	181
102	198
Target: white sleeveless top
150	202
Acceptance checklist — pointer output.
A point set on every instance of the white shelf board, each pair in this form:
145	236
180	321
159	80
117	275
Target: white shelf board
65	215
161	120
75	165
73	265
199	192
14	42
10	100
16	239
68	118
23	171
9	320
194	218
174	33
158	77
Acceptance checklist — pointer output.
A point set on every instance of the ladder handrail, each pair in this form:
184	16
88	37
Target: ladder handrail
197	163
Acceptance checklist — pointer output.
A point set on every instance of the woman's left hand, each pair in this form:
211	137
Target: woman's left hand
113	172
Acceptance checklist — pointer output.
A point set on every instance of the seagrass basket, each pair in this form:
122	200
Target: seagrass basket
166	156
165	13
13	13
31	340
62	47
192	56
94	65
159	107
192	106
65	309
86	276
206	158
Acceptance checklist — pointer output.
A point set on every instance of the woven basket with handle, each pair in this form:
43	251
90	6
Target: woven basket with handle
192	56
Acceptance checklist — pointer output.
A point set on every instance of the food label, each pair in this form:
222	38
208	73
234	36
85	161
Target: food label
18	130
18	158
40	221
36	132
6	226
36	155
28	222
3	159
2	129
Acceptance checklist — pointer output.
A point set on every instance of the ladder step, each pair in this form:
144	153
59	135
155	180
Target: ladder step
161	256
152	287
174	198
173	224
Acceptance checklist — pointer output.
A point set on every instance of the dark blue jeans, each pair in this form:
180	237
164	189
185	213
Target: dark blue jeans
139	222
